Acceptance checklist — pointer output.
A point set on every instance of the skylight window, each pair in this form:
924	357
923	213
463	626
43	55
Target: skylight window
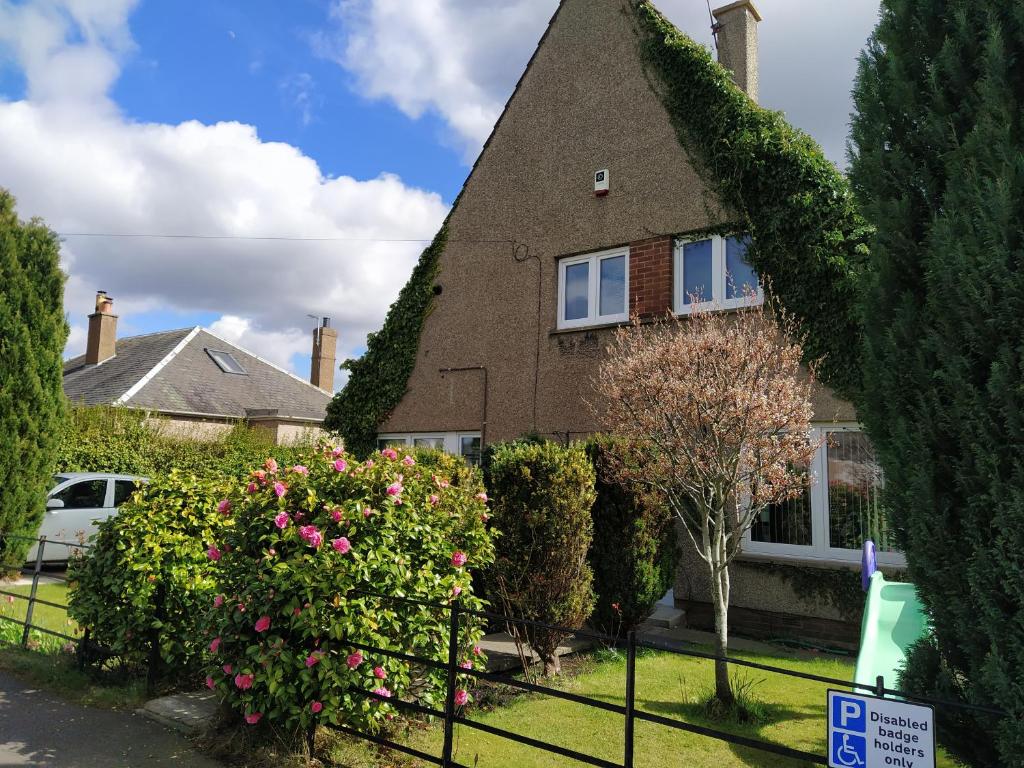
226	361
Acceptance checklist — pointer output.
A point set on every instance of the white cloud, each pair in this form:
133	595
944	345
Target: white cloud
461	58
86	168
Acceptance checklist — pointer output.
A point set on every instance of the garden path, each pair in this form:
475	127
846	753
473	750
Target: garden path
39	729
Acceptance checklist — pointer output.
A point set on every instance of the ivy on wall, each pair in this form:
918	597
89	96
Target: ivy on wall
808	238
377	380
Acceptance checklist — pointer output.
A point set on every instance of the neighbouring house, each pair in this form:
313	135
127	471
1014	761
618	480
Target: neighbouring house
582	209
197	383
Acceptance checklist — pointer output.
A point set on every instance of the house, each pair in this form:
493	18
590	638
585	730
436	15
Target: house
583	208
198	383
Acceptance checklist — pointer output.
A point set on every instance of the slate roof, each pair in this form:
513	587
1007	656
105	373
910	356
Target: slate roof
171	372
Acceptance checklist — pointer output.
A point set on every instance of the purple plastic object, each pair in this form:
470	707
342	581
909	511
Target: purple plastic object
867	564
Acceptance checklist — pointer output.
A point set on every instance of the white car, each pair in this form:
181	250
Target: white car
78	501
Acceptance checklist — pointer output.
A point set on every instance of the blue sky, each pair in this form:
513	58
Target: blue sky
349	119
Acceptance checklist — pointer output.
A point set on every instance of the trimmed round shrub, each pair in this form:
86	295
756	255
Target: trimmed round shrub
147	574
635	550
310	550
541	499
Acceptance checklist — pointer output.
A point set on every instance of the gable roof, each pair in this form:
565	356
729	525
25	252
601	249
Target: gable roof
173	372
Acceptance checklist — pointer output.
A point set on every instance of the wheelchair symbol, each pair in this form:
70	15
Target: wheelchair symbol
848	750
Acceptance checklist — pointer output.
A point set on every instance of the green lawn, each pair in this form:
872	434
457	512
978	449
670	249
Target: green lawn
46	616
667	684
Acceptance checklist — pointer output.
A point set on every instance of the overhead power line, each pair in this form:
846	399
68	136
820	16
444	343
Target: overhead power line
286	238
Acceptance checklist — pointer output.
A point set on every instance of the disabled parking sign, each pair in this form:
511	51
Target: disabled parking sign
869	732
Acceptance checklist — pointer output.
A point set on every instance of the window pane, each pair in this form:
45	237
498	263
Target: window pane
613	286
785	523
854	486
469	449
436	443
88	494
390	442
697	271
577	286
740	277
123	490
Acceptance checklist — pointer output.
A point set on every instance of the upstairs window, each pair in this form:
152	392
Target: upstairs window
226	362
592	289
714	272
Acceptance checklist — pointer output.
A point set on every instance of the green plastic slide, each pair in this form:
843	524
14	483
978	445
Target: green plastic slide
893	621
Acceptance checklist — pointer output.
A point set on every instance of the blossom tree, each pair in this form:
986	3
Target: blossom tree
714	410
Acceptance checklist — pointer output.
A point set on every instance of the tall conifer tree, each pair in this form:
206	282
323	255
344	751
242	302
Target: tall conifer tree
32	335
937	161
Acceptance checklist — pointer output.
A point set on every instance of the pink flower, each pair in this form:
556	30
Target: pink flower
384	692
280	489
251	488
337	452
394	489
461	698
441	482
456	590
312	536
368	511
389	453
482	497
340	465
354	660
296	611
315	707
466	665
477	650
459	559
281	520
241	608
408	461
227	669
243	682
209	683
369	463
312	660
253	717
299	469
262	624
260	475
379	673
336	515
271	465
341	545
224	506
214	645
213	553
434	499
218	601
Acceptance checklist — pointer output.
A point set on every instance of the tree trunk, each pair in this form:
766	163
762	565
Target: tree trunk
720	598
552	665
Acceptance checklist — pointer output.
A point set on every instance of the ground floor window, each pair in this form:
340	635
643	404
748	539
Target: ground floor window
464	444
837	512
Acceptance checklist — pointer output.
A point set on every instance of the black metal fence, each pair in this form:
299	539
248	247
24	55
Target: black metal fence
66	550
453	715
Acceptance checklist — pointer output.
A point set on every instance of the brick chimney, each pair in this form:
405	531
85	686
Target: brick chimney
102	342
325	347
736	36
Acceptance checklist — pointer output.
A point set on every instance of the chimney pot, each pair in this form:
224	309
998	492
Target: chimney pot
736	35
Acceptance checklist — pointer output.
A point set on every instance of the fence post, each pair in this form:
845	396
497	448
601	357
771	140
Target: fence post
449	699
880	686
32	593
153	672
630	696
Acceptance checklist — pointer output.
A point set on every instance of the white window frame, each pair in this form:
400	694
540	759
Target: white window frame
593	289
452	440
819	548
717	299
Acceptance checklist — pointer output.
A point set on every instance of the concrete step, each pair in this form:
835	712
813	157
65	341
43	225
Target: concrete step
666	617
189	713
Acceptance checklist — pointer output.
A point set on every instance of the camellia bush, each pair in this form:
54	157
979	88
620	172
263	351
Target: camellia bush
147	574
309	572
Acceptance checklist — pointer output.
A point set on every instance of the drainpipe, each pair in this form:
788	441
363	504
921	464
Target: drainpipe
483	368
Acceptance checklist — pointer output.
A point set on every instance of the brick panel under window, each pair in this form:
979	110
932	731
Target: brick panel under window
650	277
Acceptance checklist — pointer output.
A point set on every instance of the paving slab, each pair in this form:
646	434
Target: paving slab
502	655
39	729
189	713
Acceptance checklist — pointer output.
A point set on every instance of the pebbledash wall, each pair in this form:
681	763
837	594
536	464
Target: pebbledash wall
583	104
